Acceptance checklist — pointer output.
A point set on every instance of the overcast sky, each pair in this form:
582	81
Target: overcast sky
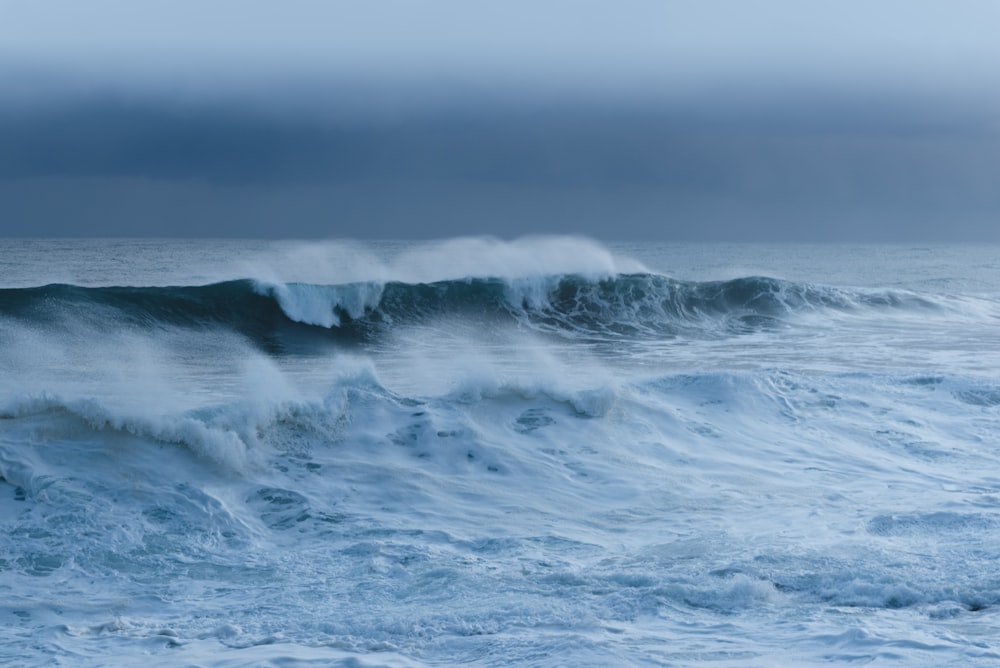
711	119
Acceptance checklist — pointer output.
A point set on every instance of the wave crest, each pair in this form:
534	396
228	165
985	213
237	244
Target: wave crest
639	305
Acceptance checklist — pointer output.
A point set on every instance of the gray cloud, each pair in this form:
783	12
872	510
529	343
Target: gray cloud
634	173
730	120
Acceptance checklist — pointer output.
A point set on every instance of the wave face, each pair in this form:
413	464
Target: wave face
630	305
495	454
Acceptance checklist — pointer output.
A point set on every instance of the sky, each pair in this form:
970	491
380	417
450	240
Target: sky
730	120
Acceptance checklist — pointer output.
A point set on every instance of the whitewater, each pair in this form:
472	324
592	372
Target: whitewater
540	452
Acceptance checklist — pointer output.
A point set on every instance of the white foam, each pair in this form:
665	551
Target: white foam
313	283
456	496
319	304
220	446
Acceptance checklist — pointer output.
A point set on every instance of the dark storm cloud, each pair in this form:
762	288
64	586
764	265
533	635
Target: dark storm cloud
711	120
146	141
705	143
742	168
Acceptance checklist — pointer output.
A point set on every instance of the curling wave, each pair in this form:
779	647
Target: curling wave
628	305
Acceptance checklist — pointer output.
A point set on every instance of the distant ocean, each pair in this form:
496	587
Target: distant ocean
541	452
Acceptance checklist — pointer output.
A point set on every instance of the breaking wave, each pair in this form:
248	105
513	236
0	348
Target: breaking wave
631	305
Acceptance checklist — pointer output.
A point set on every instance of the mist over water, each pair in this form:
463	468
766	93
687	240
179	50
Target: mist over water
497	453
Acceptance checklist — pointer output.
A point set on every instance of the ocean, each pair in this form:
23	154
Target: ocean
541	452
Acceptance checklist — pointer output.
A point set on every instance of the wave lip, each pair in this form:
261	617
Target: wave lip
223	446
323	305
631	305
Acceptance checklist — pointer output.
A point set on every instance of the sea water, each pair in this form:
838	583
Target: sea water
538	452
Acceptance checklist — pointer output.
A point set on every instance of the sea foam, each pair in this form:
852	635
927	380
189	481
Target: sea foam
500	453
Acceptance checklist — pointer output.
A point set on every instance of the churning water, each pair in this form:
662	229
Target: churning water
538	452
